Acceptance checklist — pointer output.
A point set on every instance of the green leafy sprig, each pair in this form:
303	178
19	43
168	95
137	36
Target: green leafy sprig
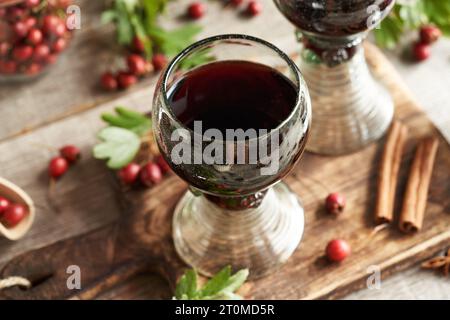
407	16
220	287
138	18
121	140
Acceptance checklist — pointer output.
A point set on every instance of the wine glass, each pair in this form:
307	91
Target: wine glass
350	108
234	213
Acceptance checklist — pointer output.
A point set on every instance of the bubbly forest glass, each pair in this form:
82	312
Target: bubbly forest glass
232	214
350	108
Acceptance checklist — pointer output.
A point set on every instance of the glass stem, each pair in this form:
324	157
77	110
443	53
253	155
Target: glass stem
350	109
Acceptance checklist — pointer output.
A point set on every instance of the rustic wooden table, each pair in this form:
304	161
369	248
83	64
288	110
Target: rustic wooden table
64	107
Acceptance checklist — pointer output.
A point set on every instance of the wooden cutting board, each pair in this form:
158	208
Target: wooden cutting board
140	241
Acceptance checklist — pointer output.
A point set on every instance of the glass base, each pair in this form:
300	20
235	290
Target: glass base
350	109
209	238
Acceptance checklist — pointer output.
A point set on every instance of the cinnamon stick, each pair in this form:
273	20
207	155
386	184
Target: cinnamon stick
415	200
388	177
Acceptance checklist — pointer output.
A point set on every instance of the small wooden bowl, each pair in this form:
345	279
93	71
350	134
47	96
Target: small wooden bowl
15	194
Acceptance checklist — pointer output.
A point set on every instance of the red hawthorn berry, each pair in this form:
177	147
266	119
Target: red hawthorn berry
35	36
429	34
60	29
32	3
196	10
337	250
14	214
159	61
138	45
162	163
150	174
57	167
254	8
51	23
33	68
30	22
20	29
129	173
71	153
236	3
59	45
4	204
335	203
108	81
126	80
22	53
5	47
136	64
41	52
421	51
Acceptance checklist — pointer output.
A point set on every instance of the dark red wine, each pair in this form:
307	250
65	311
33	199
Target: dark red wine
232	95
334	17
236	95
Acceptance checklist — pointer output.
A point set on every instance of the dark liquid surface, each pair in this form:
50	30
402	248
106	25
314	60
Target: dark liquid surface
233	95
334	17
236	95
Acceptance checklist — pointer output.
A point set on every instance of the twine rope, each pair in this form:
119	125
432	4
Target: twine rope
14	281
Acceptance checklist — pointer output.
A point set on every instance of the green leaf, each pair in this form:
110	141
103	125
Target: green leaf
108	16
139	18
125	32
152	9
118	145
187	286
410	16
129	119
173	41
438	13
445	30
130	4
236	281
216	283
227	289
389	33
140	32
221	287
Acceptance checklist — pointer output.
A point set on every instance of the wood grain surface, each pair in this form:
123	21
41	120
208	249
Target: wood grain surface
64	106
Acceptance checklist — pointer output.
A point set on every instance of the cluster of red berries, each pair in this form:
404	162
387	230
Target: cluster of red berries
197	10
337	250
32	36
11	213
59	165
427	36
137	67
148	175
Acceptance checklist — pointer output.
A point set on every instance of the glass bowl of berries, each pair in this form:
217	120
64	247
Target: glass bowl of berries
33	33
